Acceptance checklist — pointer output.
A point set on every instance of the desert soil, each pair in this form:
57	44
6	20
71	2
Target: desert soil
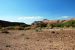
33	40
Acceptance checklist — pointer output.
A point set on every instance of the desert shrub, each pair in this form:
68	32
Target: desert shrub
39	24
27	38
27	28
5	31
8	46
39	29
38	40
52	26
14	28
59	25
22	34
70	23
48	26
0	27
61	29
53	32
19	28
10	28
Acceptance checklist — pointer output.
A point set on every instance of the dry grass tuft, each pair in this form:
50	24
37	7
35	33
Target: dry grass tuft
8	46
5	31
38	29
19	28
53	32
27	28
27	38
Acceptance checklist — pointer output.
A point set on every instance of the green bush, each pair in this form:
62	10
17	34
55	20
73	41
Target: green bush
70	23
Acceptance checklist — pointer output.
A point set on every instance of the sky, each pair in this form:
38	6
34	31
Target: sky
28	11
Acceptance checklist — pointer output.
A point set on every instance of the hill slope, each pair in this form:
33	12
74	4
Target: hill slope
56	23
7	23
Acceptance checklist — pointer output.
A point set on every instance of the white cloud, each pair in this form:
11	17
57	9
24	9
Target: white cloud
65	17
25	19
30	19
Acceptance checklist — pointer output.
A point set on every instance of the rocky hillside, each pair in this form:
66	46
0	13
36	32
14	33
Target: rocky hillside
7	23
56	23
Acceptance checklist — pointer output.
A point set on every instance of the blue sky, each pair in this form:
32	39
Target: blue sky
30	10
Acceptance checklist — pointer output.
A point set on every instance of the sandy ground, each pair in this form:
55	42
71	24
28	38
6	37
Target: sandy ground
32	40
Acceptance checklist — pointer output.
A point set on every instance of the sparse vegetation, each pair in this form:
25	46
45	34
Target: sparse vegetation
53	32
27	28
45	36
8	46
19	28
5	31
42	39
27	38
39	29
67	24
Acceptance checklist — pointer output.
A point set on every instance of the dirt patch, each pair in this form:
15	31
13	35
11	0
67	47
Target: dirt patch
32	40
